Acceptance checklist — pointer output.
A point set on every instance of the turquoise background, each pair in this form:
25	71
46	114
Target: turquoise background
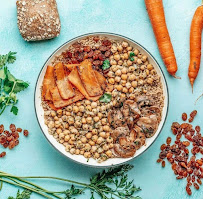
34	155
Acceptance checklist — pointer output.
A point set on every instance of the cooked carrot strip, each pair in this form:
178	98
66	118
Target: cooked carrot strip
195	44
65	89
89	79
101	79
71	66
48	83
156	14
60	103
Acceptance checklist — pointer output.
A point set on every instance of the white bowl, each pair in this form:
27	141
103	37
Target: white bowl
79	158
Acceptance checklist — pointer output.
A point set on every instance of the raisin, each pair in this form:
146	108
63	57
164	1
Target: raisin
11	145
163	146
26	133
106	42
90	54
163	164
197	128
159	160
193	113
169	155
186	143
196	186
179	177
1	128
199	162
190	119
3	154
96	39
87	48
174	166
199	181
16	142
102	48
189	192
101	57
13	127
107	53
168	140
19	130
184	116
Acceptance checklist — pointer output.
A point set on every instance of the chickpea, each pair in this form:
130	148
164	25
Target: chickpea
149	67
66	132
78	124
56	118
132	77
109	139
93	149
113	49
135	60
129	63
142	67
88	135
104	121
114	93
111	74
100	115
124	70
123	82
91	143
96	155
94	104
102	134
114	68
113	62
144	91
120	62
117	79
71	142
68	113
81	109
111	81
96	119
103	108
94	131
69	108
85	127
87	154
100	150
106	128
125	56
83	139
131	69
131	90
59	112
140	82
88	108
67	138
94	138
71	120
119	48
89	120
150	80
105	147
72	137
77	151
72	151
117	57
53	113
144	58
125	90
61	136
146	63
58	131
124	44
124	77
111	145
128	85
139	61
109	153
129	48
119	87
147	71
82	152
136	51
118	72
83	121
139	55
134	84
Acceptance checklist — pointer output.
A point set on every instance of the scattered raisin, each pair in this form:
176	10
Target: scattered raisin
159	160
25	132
196	186
168	140
163	163
3	154
197	128
184	116
163	146
193	113
13	127
190	119
19	130
1	128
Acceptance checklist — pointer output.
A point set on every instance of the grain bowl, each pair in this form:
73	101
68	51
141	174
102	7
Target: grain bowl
101	99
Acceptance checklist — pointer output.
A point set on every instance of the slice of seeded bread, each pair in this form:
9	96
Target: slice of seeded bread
38	19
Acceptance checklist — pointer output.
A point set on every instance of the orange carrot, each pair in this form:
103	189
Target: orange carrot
156	14
195	44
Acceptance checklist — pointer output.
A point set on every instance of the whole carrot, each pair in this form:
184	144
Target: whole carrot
156	14
195	44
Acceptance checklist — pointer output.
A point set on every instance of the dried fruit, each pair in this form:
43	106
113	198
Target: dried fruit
163	163
184	116
168	140
25	132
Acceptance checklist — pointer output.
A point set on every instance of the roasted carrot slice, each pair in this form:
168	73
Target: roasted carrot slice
48	83
60	103
65	89
71	66
89	79
101	79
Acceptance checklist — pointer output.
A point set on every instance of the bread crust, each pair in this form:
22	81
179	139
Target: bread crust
38	19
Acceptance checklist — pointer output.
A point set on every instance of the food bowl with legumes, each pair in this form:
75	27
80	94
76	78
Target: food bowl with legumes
101	99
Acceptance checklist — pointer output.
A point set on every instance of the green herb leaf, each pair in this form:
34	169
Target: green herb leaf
14	110
132	54
132	59
24	195
106	98
8	58
106	64
72	192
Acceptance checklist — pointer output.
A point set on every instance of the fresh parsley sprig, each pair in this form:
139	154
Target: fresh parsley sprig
109	184
9	85
24	195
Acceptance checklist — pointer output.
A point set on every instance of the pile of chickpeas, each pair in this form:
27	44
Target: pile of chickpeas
83	127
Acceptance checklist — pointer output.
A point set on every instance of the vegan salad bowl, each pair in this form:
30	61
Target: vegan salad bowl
101	99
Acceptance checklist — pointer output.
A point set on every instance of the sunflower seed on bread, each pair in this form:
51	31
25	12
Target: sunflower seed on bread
38	19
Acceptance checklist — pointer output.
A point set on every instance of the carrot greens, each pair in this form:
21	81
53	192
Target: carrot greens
109	184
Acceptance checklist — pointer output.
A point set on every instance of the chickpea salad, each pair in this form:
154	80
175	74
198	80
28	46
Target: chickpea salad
102	99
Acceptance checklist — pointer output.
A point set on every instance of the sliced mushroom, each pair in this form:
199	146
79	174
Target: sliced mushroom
126	151
118	132
130	112
116	119
148	125
143	101
152	110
